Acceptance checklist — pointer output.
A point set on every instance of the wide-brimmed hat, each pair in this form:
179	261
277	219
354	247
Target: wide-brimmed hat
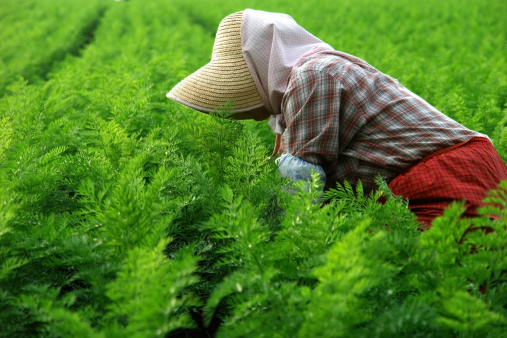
225	78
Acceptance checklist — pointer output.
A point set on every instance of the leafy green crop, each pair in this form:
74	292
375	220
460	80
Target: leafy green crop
125	214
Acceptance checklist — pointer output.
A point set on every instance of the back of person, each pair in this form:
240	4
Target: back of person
357	123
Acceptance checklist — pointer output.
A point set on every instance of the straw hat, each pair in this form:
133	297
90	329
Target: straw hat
225	78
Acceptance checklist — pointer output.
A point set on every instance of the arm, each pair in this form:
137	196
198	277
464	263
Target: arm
311	139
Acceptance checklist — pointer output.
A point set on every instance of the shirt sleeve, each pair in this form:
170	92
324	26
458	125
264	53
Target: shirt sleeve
311	106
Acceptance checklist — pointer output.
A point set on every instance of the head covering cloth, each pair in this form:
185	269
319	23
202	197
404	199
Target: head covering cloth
273	43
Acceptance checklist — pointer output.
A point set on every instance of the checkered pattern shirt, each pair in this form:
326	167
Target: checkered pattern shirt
356	122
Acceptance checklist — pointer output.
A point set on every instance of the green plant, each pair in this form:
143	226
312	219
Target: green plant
123	213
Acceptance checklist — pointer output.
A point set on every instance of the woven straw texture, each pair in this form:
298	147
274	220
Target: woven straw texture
225	78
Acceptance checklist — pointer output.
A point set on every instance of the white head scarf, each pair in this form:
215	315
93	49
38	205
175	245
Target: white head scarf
273	43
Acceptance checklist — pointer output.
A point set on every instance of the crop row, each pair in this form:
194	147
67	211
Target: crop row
125	214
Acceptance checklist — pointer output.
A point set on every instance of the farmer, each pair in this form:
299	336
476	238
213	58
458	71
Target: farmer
336	114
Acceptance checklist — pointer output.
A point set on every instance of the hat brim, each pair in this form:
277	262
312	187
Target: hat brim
215	84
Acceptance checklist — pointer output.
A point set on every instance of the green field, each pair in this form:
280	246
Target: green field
124	214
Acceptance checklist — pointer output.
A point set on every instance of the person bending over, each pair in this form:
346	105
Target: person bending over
336	114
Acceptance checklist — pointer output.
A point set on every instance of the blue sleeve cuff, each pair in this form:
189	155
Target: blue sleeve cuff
296	169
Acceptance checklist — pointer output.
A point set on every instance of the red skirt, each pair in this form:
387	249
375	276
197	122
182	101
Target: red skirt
466	171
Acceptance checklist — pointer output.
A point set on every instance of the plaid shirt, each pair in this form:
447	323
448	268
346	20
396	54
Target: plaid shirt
356	122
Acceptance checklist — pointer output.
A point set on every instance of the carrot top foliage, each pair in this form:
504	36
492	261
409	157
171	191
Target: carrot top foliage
125	214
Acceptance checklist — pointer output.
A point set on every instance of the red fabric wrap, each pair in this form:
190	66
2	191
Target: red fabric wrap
466	171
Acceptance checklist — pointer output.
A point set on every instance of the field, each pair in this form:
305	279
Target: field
123	214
